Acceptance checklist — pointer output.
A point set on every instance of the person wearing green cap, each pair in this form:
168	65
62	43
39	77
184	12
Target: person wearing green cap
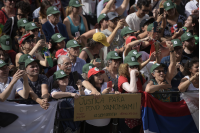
38	82
75	23
32	29
85	69
171	16
12	85
61	89
188	42
103	24
53	25
26	44
21	26
57	42
72	47
162	81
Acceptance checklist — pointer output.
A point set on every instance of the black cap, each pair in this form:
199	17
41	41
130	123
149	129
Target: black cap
144	21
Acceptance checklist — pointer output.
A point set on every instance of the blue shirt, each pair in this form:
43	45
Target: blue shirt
78	65
176	80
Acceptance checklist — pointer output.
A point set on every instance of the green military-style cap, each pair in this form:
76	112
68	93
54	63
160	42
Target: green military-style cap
154	66
101	16
59	74
131	60
30	26
29	61
6	42
74	3
22	22
168	5
150	26
56	38
52	10
134	53
112	55
176	42
87	67
126	30
2	63
186	36
72	43
23	58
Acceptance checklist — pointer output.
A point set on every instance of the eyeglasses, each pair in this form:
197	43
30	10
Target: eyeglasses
159	71
67	64
133	67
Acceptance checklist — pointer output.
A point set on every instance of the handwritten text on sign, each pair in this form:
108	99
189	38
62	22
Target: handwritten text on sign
107	106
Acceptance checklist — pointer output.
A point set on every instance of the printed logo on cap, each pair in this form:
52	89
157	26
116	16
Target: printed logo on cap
77	2
1	62
129	28
168	4
24	21
104	14
134	52
157	64
175	42
96	69
31	59
188	34
132	58
116	54
33	24
62	73
7	42
90	67
28	56
75	42
59	36
55	8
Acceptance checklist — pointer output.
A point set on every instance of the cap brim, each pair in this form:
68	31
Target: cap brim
61	39
23	25
138	55
105	44
55	12
34	27
116	57
133	64
113	17
168	8
37	61
4	47
76	45
77	5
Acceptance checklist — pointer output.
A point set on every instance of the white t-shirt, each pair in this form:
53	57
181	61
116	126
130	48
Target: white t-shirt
191	86
145	55
16	87
191	5
98	122
134	21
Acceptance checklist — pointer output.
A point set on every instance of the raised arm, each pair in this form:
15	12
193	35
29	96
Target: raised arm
172	66
87	35
143	64
151	88
90	87
120	10
132	87
26	88
108	6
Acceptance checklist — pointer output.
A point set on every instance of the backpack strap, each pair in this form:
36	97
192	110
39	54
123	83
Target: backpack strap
89	53
5	14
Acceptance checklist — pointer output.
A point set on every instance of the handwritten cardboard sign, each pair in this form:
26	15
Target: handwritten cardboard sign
107	106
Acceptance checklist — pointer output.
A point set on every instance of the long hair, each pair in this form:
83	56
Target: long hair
188	65
68	10
42	12
196	26
91	80
123	70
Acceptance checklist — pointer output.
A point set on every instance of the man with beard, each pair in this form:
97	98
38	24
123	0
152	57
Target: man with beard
188	42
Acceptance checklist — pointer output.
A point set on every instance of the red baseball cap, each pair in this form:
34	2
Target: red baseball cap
60	52
94	71
128	40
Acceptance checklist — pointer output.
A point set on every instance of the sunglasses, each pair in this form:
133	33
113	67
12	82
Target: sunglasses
34	30
133	67
137	45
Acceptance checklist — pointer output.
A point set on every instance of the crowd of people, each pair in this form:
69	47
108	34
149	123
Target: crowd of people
72	48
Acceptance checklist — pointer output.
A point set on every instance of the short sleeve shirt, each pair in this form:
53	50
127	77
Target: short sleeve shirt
16	87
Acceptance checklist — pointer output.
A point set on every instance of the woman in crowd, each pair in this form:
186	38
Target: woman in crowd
191	80
94	50
26	44
130	81
7	11
96	79
162	81
75	23
192	24
171	17
102	25
61	90
42	14
109	6
32	29
111	70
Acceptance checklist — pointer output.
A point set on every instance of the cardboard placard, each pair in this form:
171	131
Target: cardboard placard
126	105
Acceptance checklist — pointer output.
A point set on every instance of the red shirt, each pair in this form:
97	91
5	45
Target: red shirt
123	79
3	17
